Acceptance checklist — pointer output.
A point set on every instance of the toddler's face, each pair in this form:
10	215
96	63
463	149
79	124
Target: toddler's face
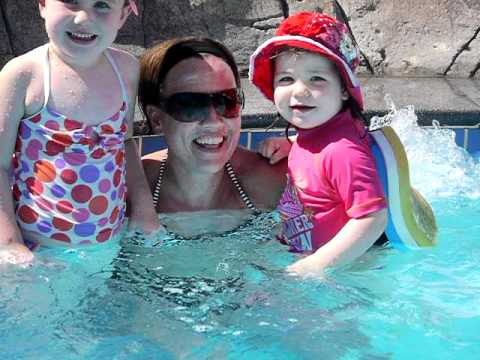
307	89
82	28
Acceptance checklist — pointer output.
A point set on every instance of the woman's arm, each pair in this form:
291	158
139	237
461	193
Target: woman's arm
352	241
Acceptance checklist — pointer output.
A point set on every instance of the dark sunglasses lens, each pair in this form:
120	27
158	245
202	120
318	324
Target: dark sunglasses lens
188	107
227	103
191	107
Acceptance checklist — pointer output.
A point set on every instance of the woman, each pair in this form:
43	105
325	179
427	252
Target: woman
190	91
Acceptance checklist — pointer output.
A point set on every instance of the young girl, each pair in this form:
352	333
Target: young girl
66	112
333	208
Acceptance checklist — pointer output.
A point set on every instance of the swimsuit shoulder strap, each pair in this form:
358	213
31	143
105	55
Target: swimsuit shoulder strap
119	75
243	195
46	74
230	172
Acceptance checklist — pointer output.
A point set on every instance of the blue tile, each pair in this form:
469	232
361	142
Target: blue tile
459	136
153	143
473	140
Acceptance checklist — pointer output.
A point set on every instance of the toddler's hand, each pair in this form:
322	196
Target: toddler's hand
15	253
306	268
274	148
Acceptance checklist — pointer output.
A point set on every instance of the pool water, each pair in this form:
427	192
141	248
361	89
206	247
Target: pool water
225	296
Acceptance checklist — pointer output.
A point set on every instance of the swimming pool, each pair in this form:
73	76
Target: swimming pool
226	296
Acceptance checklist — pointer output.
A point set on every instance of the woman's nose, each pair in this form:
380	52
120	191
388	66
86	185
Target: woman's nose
213	118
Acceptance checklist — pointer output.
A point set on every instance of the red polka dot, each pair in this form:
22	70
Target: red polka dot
123	128
62	139
98	205
18	144
61	237
72	124
34	186
44	170
104	235
27	215
119	158
107	129
36	118
81	193
16	192
117	177
98	154
52	148
61	224
69	176
64	207
114	215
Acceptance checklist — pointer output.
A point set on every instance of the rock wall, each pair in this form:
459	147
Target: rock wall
398	38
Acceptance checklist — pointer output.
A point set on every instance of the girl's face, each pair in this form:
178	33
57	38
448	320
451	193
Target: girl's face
204	145
307	89
80	30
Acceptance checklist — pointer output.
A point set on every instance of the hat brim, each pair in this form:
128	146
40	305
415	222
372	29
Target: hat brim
261	64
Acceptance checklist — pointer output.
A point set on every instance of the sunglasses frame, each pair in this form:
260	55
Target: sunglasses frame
211	96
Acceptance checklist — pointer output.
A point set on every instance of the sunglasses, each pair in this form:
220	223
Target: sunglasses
191	106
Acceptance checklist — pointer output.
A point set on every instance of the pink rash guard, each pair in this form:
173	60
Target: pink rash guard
332	179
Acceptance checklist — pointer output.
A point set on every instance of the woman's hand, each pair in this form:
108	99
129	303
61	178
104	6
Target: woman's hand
306	267
274	148
15	253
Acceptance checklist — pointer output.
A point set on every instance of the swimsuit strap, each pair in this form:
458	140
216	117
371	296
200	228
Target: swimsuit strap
119	76
46	76
230	172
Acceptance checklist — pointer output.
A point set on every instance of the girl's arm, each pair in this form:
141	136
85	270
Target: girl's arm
275	148
352	241
142	214
14	80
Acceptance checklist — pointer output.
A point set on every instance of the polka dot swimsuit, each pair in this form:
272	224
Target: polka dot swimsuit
69	178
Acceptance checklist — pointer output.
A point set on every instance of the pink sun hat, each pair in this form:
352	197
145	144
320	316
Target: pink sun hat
314	32
133	6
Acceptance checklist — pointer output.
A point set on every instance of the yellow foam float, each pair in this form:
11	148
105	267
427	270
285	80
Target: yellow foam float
411	222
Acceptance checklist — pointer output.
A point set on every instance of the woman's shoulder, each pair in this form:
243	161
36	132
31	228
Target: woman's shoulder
263	182
151	165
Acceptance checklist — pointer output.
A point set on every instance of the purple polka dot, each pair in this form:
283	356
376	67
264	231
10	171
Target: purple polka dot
44	226
121	190
25	166
60	163
52	124
25	131
103	221
113	195
104	185
75	158
57	191
89	173
33	149
26	194
109	166
85	229
81	215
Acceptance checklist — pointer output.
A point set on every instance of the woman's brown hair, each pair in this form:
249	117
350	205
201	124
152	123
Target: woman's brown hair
157	61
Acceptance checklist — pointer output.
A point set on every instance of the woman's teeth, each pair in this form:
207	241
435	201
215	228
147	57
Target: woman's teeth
209	140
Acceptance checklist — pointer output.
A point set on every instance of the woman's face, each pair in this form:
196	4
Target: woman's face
205	145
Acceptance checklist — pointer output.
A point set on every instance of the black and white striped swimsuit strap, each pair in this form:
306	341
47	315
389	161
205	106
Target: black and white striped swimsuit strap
230	172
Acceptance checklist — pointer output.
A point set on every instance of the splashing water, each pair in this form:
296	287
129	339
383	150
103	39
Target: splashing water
439	168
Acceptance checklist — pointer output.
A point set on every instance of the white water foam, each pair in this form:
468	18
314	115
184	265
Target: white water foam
439	168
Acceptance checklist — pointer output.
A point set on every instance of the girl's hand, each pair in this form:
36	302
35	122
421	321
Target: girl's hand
15	253
274	148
